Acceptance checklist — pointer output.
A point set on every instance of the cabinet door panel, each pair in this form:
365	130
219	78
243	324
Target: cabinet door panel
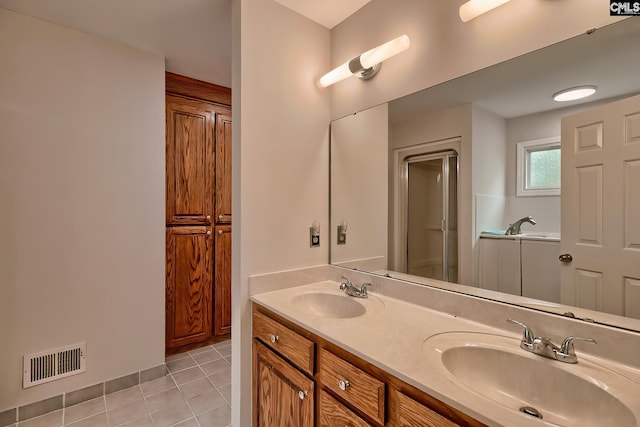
282	396
189	161
223	169
222	298
188	285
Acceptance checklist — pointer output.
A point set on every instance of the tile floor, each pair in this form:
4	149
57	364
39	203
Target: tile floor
196	393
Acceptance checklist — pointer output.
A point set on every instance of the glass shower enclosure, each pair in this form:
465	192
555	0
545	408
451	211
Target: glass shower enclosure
431	201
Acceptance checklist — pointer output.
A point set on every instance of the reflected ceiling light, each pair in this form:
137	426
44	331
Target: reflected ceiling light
368	64
475	8
574	93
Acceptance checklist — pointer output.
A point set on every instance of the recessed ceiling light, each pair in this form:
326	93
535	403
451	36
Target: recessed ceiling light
574	93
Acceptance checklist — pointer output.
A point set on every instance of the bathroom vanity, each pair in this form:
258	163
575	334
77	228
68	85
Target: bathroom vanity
323	358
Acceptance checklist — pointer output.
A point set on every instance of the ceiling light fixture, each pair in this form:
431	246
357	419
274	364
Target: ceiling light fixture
474	8
574	93
368	64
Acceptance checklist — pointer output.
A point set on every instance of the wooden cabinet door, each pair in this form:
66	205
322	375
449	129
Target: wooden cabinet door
222	272
188	285
189	161
282	395
223	169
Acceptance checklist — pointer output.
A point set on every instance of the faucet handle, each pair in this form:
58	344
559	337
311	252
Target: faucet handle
363	289
345	285
567	345
527	333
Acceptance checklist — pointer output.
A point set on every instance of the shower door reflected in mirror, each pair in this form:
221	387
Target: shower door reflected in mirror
430	194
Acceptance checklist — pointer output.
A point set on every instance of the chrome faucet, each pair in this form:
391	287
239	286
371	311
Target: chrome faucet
354	291
515	227
544	347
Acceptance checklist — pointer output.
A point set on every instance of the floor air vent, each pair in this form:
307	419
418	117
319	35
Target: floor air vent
54	364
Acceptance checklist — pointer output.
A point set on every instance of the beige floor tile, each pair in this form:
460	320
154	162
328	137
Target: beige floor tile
175	357
52	419
188	375
129	412
99	420
200	350
140	422
191	422
216	366
164	399
206	402
221	378
123	397
224	351
157	385
84	410
225	391
197	387
181	364
222	344
206	356
171	415
219	417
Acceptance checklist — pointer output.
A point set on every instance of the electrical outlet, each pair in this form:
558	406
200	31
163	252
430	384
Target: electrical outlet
314	238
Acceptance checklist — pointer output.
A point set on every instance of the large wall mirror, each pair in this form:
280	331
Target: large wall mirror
422	186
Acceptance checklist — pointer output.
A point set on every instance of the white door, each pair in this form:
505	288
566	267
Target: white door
601	208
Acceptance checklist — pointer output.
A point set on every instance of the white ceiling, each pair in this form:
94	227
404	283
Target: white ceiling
193	35
325	12
608	59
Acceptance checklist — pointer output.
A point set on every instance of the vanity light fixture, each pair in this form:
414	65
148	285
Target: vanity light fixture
367	64
474	8
574	93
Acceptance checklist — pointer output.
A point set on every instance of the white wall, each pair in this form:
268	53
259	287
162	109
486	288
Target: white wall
359	190
81	203
281	159
443	47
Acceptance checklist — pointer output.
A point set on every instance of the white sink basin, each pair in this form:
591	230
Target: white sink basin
329	305
497	370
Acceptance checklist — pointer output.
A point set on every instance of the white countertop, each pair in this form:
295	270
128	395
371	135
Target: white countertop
391	335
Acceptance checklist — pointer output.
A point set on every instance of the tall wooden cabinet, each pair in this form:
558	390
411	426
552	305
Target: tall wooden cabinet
198	212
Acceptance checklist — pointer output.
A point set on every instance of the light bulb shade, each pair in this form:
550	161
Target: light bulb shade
385	51
335	75
475	8
574	93
366	61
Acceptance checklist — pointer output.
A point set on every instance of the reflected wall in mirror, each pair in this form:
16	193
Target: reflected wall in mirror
481	118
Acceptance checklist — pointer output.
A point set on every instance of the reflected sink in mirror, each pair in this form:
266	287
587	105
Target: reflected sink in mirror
494	368
329	305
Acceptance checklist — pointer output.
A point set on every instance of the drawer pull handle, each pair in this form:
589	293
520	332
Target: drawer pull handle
302	394
343	384
275	338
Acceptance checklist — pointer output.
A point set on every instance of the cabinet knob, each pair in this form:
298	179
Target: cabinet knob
208	216
343	384
220	217
220	231
209	233
566	258
275	338
302	394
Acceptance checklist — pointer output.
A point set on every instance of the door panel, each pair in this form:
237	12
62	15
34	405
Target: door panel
188	285
222	299
601	207
223	169
190	161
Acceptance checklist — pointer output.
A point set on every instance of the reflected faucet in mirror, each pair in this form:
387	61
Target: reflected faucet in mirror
514	228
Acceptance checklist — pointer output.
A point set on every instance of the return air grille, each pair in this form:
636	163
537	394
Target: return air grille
54	364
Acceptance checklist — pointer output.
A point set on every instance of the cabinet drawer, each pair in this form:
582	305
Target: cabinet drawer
293	346
412	414
355	386
335	414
